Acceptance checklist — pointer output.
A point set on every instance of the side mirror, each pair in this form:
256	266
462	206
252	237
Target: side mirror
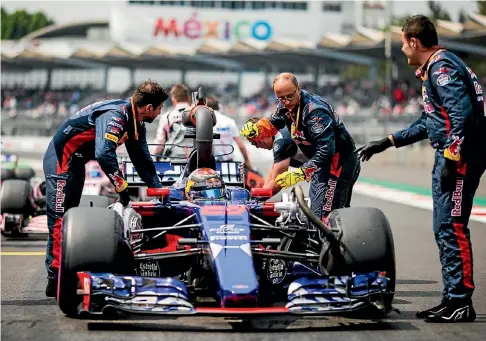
158	192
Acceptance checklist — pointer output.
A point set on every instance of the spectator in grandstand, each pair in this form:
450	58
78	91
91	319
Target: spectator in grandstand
313	124
228	131
171	130
94	133
453	119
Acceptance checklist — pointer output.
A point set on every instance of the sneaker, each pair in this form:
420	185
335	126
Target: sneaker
424	313
51	287
455	311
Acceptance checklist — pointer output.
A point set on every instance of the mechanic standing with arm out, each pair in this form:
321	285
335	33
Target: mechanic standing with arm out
94	133
454	121
171	130
228	131
321	136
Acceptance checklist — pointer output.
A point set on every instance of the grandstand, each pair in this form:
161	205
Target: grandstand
88	52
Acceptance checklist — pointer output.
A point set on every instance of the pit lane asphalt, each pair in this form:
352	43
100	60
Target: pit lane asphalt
28	315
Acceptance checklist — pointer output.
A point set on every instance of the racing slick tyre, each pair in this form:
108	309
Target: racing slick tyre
26	173
95	201
7	174
366	244
14	197
91	241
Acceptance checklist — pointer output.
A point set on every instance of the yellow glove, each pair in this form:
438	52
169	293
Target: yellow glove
249	130
290	178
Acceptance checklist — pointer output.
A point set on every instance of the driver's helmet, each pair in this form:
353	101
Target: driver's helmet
204	183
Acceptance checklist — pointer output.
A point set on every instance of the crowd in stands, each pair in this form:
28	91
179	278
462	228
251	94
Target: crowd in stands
355	98
34	103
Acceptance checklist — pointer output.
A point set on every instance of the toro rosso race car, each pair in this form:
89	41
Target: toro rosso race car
23	210
229	252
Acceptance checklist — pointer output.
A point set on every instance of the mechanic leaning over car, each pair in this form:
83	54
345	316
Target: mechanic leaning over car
171	130
94	133
285	154
315	127
453	119
227	129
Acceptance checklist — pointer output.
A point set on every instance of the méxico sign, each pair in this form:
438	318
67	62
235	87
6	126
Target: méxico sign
194	28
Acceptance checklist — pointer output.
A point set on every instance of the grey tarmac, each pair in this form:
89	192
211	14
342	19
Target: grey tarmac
28	315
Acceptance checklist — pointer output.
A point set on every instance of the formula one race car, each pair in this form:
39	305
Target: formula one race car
227	252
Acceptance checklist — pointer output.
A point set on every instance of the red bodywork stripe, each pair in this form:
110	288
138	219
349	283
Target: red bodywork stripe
212	210
85	281
145	209
219	210
71	146
269	210
243	311
465	252
172	245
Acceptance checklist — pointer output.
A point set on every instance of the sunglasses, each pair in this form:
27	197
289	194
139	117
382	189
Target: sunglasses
289	98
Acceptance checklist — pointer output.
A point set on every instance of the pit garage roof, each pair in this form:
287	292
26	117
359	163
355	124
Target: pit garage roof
365	46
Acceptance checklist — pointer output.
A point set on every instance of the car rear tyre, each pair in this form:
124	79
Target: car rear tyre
91	241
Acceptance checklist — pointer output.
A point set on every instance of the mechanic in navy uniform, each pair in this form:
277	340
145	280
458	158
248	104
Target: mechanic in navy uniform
320	135
94	133
287	154
453	119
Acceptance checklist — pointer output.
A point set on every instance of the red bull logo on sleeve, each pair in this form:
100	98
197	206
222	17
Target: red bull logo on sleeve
308	172
298	136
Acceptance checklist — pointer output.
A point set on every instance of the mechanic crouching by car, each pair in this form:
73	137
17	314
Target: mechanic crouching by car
94	133
285	154
314	126
453	120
